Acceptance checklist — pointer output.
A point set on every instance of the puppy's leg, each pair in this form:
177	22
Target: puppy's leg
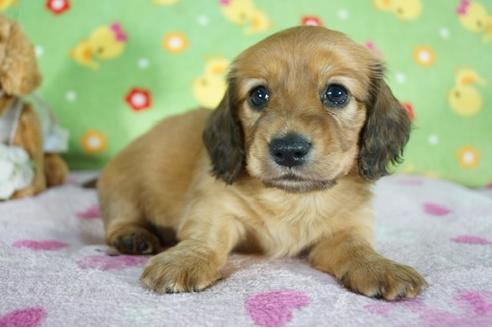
351	259
124	221
195	262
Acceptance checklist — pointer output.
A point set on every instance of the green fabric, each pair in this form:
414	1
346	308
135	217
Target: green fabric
451	138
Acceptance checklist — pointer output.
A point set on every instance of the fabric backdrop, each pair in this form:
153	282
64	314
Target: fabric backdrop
113	68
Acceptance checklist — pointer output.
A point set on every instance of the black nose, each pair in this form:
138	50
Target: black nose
290	150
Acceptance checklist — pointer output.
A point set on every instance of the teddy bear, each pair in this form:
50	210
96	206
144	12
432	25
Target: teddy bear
30	139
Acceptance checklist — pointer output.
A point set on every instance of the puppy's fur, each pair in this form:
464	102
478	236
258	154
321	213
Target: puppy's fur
210	178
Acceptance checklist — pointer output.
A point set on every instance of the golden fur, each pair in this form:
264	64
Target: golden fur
19	76
209	176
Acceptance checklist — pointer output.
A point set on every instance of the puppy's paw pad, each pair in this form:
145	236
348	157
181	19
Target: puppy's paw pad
384	279
176	272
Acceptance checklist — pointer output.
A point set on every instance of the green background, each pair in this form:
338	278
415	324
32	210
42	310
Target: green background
100	94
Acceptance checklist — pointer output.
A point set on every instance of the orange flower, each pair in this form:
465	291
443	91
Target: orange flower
468	157
424	56
174	42
93	142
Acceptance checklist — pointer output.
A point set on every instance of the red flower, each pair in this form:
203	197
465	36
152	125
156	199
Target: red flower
311	20
138	99
409	108
57	7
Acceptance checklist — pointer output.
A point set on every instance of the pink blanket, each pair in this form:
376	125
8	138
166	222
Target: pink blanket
54	271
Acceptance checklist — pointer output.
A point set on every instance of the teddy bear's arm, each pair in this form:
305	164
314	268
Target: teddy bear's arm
29	137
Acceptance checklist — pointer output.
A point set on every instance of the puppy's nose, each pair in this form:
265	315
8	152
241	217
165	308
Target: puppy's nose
290	150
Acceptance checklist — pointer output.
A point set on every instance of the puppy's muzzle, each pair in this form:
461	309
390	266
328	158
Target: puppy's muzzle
290	150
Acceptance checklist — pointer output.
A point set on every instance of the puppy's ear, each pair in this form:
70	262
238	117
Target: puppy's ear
224	139
385	132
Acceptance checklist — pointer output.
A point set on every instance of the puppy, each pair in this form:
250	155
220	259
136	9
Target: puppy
283	165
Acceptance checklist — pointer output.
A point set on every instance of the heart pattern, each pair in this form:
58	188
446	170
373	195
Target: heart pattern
42	245
28	317
435	209
474	309
90	213
274	309
473	240
105	263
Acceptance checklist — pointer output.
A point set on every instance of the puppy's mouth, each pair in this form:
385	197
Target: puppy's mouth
298	184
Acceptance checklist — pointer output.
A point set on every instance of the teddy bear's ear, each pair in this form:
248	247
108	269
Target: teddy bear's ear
19	74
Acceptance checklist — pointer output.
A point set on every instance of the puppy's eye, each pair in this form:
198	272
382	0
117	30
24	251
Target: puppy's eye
258	97
335	95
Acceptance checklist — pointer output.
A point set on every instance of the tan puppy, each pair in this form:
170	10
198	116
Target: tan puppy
283	165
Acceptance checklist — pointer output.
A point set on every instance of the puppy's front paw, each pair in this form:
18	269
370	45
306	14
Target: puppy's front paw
383	278
135	241
181	269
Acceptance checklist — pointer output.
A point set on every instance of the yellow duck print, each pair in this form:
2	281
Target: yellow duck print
209	88
464	98
165	2
6	4
106	42
259	22
475	18
405	10
245	13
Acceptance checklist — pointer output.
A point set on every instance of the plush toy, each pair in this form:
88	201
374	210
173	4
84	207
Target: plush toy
29	137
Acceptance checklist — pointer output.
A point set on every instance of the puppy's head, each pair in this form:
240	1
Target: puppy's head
303	108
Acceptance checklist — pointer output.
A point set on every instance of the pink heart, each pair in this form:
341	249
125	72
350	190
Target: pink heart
43	245
474	240
274	309
436	209
379	308
480	302
476	311
90	213
29	317
489	185
104	263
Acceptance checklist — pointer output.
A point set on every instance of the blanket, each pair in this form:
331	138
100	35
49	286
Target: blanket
54	270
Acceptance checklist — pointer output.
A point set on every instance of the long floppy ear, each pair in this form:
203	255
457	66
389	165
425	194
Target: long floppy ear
19	74
224	139
385	132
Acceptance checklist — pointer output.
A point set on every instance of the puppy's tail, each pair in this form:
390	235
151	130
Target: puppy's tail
91	184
